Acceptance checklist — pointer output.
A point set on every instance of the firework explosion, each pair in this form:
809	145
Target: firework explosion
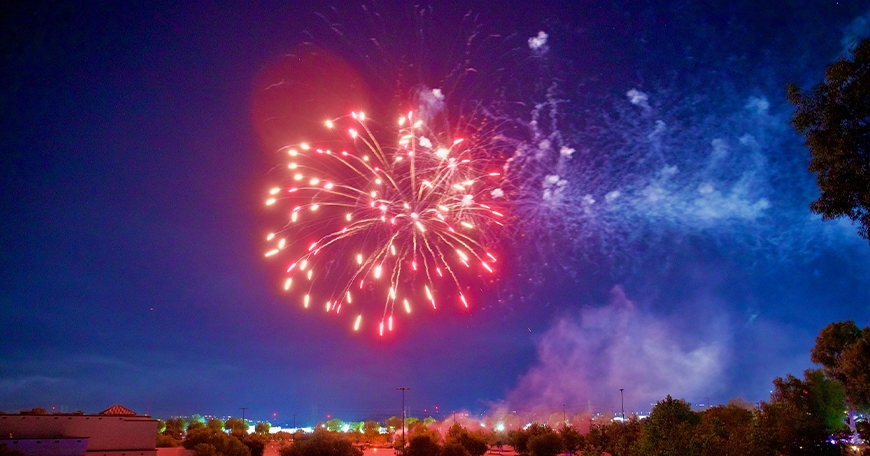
385	222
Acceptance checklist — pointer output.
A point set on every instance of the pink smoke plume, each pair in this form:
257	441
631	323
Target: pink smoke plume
584	360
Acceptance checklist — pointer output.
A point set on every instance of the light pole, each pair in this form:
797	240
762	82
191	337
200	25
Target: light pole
243	418
564	418
622	401
294	422
403	389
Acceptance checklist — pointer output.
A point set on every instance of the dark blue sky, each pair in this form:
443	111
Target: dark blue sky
679	258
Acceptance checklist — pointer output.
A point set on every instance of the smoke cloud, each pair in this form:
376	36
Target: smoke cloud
856	31
539	43
584	360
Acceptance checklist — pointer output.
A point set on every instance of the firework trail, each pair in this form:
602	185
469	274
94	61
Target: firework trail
403	220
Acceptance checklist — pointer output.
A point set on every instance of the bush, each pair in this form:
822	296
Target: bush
167	441
423	445
547	444
454	449
322	443
223	444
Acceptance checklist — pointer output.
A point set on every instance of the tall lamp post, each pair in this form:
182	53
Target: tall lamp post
243	418
622	401
403	389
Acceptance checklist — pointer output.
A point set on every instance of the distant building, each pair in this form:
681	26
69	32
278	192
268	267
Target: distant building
116	431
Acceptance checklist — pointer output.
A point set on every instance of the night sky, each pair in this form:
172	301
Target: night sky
672	253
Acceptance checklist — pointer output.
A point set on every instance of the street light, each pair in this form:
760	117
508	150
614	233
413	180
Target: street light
622	400
403	389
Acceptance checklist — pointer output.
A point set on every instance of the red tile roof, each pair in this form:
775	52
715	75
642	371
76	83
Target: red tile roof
118	409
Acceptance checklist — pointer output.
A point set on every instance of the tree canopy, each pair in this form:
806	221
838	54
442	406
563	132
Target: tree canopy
423	444
669	429
321	443
834	117
803	415
473	443
843	350
207	441
195	425
216	424
196	418
175	428
520	439
236	425
545	444
572	440
727	431
262	428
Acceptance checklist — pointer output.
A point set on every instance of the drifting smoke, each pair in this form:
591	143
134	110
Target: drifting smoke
583	361
585	357
654	169
539	43
856	31
694	192
638	98
430	103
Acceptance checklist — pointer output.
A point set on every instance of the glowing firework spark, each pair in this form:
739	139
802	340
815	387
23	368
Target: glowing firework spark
382	219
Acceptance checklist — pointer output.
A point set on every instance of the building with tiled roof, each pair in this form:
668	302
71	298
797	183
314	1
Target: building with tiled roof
116	431
118	409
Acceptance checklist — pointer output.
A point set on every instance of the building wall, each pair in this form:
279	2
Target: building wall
105	434
61	446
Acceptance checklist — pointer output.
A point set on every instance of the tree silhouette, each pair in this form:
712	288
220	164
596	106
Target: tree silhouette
834	117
